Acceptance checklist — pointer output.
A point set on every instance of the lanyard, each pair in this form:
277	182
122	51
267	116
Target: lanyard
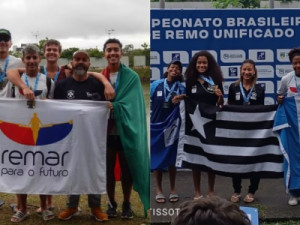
36	81
298	88
56	75
208	80
4	69
246	98
172	90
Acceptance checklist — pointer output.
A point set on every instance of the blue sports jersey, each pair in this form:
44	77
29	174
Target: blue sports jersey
157	96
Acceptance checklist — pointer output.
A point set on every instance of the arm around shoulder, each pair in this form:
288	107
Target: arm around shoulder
109	91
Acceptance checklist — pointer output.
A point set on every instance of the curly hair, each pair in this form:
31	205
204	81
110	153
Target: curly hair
210	211
294	52
191	74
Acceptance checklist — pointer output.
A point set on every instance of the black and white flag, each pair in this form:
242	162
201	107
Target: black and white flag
234	140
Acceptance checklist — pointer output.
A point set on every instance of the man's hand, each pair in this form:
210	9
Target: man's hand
109	91
110	105
280	99
28	93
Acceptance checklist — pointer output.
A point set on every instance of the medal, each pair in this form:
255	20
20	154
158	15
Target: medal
171	93
31	104
3	73
212	88
3	83
211	84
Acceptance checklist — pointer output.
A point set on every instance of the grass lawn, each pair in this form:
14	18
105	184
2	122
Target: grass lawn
146	89
59	202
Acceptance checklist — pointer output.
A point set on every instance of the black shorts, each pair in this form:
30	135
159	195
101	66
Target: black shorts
114	141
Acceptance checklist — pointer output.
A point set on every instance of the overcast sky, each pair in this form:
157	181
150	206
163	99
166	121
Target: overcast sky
77	23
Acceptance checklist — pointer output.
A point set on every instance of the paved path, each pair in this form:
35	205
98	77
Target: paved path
271	199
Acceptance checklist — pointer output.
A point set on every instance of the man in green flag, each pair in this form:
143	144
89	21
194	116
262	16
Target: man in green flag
127	133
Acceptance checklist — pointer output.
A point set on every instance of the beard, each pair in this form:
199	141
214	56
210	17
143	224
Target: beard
80	69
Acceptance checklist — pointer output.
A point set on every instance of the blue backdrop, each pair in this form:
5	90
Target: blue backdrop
264	35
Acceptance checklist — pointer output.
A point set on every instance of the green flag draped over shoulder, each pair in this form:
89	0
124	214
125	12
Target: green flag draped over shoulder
130	119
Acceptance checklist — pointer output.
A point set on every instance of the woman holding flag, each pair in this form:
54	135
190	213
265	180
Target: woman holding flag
204	84
290	87
245	91
165	95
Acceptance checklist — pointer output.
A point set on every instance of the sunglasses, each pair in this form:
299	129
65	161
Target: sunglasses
5	39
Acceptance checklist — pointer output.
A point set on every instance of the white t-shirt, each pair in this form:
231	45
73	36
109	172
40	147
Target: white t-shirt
41	89
288	85
113	78
13	63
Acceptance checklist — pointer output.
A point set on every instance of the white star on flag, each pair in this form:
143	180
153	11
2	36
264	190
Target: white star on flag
199	121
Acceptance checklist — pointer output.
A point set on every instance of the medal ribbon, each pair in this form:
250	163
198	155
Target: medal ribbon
4	69
209	80
298	88
36	81
56	75
166	88
246	98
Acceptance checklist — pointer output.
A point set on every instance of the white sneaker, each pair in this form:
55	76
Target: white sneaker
293	200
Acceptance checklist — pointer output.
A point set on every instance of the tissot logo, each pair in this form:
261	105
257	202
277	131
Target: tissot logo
35	133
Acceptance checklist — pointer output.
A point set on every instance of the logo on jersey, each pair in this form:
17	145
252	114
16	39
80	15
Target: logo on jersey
70	94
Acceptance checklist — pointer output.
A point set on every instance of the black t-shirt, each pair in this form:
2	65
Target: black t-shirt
200	93
235	96
69	88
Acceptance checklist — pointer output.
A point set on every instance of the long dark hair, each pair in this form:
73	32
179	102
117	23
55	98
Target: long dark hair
191	74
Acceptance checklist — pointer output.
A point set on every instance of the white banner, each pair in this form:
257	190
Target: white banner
58	147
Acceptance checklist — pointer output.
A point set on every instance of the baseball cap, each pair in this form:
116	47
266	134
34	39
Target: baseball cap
5	33
176	62
81	52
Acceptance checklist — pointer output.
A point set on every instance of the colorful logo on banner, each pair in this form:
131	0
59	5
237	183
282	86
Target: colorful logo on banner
36	133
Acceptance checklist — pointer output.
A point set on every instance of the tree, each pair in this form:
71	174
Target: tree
145	46
16	54
146	52
94	52
236	3
127	49
41	45
68	53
